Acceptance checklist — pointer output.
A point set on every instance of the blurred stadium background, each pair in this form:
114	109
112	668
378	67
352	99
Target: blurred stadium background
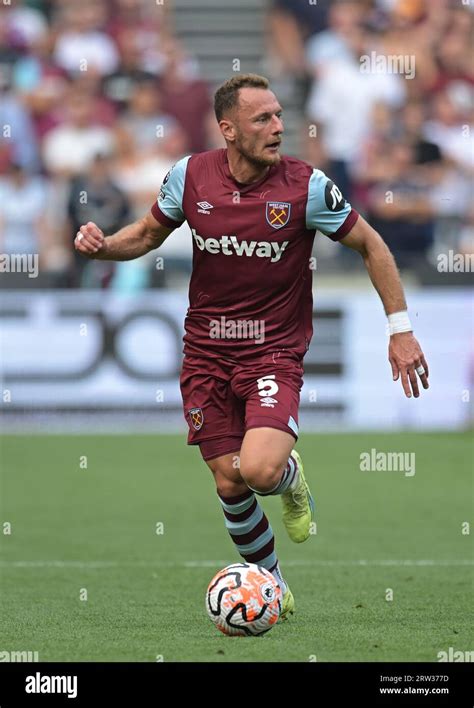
98	99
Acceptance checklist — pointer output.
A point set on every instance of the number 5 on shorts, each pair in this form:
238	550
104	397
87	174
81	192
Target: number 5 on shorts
267	385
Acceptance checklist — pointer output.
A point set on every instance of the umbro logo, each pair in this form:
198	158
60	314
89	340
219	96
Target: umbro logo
204	207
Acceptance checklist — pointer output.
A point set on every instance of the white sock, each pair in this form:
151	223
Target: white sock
279	578
296	479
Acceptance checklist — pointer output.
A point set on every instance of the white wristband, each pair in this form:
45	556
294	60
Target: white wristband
399	322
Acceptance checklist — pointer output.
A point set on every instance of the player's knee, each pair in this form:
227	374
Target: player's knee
261	476
226	488
229	486
229	482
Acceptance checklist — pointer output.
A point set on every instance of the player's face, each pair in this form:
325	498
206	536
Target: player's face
258	126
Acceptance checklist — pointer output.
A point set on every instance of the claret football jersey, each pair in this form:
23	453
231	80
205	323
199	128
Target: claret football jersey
251	285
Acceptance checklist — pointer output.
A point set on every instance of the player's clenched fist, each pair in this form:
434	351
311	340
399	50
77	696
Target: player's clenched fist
89	239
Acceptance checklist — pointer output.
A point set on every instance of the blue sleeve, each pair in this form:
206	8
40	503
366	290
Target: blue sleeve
170	198
326	209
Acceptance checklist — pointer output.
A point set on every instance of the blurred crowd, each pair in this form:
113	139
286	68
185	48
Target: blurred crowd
389	104
98	99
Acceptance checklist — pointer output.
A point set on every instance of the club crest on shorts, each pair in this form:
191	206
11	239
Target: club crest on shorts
278	214
196	417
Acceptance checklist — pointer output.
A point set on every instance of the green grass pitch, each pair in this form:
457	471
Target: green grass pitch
94	529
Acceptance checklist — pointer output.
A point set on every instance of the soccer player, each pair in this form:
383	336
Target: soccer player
253	215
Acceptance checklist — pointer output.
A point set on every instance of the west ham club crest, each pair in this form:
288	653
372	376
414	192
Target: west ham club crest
197	418
278	214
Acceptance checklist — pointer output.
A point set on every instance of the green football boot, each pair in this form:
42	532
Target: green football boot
298	507
288	605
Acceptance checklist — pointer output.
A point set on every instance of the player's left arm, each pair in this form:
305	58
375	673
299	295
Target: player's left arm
405	354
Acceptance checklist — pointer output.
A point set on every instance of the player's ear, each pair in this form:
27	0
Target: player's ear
227	129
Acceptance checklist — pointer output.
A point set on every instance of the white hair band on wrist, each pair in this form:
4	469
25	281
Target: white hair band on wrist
399	322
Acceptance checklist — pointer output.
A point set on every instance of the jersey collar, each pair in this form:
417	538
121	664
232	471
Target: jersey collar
241	186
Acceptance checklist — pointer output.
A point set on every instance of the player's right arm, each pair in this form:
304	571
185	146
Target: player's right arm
145	234
133	241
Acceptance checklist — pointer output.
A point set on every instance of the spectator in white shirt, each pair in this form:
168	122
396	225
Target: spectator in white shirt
23	200
83	44
70	148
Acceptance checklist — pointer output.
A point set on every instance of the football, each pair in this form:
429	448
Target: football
244	599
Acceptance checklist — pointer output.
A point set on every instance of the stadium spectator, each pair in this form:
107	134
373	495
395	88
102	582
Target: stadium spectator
186	97
119	86
17	136
149	23
334	43
341	103
82	42
69	148
411	126
23	25
40	84
400	207
453	58
290	23
90	83
9	52
23	199
145	119
94	196
450	130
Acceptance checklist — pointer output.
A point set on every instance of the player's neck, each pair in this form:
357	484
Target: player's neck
243	171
